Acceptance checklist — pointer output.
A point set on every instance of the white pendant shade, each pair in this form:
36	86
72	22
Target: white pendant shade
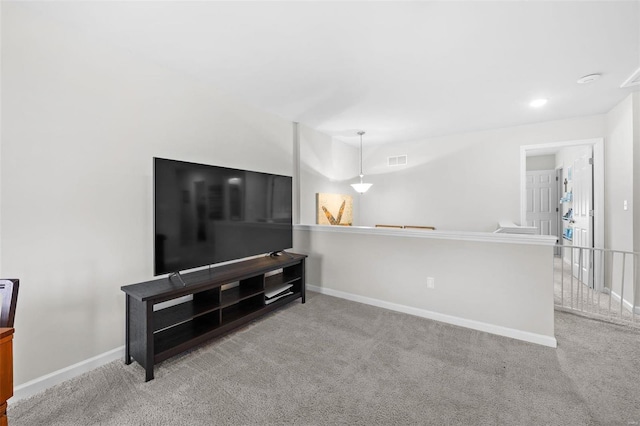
361	187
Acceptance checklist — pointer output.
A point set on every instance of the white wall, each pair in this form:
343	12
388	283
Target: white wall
619	181
619	186
326	165
495	286
460	182
81	123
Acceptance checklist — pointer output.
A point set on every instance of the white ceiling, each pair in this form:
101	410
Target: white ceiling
398	70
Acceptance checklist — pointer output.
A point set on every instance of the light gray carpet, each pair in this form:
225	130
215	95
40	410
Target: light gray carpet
332	361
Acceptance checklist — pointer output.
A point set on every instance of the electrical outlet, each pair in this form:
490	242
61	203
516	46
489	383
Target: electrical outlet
624	205
431	282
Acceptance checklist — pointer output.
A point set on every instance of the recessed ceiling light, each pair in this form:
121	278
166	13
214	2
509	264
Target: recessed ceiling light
588	78
538	103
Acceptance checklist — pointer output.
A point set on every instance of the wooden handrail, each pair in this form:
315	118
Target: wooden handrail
6	371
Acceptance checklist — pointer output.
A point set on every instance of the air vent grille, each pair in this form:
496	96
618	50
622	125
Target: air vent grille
398	160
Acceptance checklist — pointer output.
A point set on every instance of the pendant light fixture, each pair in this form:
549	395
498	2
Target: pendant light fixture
361	187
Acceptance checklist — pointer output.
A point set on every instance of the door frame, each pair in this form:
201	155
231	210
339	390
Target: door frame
598	184
559	188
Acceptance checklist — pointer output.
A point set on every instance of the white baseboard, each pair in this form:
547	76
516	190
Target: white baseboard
625	302
42	383
526	336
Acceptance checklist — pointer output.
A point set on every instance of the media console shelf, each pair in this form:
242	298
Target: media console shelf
221	299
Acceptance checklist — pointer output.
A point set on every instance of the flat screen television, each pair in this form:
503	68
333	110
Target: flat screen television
209	214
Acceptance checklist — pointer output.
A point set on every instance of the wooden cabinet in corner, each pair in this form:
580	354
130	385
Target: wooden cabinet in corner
161	322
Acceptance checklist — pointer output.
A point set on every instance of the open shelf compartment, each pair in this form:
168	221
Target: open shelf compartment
202	303
180	334
243	308
289	276
246	289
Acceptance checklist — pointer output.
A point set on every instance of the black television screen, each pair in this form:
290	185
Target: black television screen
208	214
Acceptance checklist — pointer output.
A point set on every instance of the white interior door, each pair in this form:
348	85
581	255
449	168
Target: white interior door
583	213
542	201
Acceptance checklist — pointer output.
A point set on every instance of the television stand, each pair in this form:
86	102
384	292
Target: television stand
221	299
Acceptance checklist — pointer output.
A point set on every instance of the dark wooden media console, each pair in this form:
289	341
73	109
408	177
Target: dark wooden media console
221	299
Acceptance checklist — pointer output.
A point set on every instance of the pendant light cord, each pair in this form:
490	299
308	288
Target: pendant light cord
361	187
361	133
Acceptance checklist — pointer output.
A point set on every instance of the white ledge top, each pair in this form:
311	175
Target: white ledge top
488	237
